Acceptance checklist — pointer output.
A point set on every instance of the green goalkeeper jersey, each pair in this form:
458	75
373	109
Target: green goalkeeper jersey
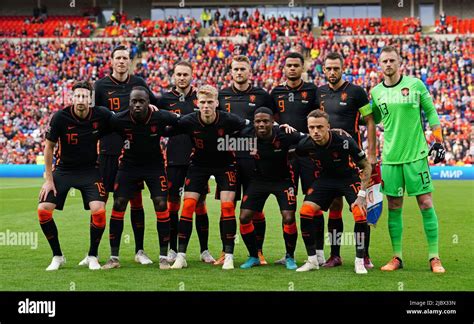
399	107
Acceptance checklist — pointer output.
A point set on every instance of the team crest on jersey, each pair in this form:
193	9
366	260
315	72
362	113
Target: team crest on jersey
335	155
95	125
405	92
344	96
220	132
153	128
304	95
253	98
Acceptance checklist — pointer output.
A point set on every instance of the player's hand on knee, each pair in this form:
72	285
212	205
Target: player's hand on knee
438	152
46	188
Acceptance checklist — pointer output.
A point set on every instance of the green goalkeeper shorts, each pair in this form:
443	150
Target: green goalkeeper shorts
414	176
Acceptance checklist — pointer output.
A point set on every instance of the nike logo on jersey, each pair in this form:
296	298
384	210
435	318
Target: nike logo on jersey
173	104
196	132
71	127
281	96
227	98
111	92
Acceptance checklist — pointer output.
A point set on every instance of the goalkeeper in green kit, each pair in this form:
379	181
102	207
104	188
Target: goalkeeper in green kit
398	102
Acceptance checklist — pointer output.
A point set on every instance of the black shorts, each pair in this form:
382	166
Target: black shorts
258	192
88	182
198	177
324	190
245	173
128	177
108	166
176	176
303	168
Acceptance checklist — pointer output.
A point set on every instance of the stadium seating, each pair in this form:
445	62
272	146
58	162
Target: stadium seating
371	26
454	25
153	28
53	26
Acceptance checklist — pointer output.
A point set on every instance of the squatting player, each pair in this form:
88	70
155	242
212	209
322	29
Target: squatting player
142	160
294	100
75	130
272	176
182	100
399	101
242	99
206	127
336	154
113	91
344	102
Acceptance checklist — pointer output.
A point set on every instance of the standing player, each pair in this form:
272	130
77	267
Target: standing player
113	91
142	160
273	176
182	100
242	99
76	130
399	101
294	100
336	154
208	127
344	102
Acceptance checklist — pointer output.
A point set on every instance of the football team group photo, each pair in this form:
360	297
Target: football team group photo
250	147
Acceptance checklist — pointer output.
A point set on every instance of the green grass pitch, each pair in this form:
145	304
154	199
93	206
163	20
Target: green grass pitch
22	268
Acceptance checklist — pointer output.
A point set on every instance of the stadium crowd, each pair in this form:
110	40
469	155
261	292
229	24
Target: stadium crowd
37	76
182	26
372	26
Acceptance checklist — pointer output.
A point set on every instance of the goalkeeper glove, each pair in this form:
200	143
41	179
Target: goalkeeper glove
437	151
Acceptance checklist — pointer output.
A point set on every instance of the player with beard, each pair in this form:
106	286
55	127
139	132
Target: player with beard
243	99
76	130
344	102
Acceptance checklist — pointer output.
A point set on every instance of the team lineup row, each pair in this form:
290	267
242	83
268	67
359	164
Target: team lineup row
329	161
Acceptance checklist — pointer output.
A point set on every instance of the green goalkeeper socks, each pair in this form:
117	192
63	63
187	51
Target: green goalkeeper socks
395	228
430	223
